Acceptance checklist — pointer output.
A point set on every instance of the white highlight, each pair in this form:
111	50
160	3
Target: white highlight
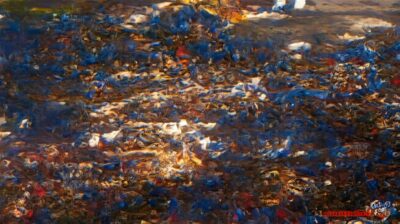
109	137
299	46
94	140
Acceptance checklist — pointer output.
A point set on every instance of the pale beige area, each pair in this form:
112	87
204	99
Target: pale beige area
324	21
321	21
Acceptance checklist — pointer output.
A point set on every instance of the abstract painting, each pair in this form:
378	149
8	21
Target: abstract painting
199	111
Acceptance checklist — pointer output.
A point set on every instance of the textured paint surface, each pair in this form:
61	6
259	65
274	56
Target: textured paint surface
173	113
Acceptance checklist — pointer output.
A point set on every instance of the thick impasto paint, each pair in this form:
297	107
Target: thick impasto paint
213	111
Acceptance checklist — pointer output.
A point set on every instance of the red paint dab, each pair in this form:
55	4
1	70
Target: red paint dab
247	200
29	214
375	131
396	81
182	52
281	213
330	61
39	190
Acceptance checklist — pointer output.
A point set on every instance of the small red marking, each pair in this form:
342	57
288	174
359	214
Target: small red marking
396	81
281	213
182	52
330	61
39	190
